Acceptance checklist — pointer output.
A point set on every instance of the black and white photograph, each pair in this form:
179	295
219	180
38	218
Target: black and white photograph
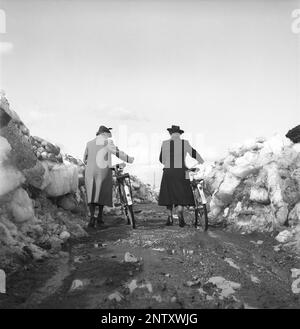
149	157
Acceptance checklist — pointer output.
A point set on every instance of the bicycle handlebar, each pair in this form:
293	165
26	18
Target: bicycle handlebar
118	166
193	169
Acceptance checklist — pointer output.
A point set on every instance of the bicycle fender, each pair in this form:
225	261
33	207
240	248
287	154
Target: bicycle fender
204	201
128	196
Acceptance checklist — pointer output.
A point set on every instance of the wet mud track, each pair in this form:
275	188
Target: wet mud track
174	268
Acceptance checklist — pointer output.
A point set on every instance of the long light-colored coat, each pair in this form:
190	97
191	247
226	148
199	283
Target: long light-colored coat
98	175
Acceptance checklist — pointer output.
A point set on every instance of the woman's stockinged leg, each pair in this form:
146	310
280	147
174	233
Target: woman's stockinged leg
170	215
180	210
92	208
180	216
100	214
170	210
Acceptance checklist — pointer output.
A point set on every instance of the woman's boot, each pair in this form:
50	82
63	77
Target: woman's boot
169	221
92	222
181	221
99	217
170	216
180	216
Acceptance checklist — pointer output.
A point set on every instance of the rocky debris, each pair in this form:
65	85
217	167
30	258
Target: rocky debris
2	282
296	283
231	263
294	134
21	206
277	248
192	283
295	272
227	287
256	187
158	298
129	258
71	159
135	285
258	242
254	279
45	150
116	296
63	179
68	202
294	215
142	193
78	284
296	286
284	236
173	299
159	249
35	181
6	108
168	272
64	235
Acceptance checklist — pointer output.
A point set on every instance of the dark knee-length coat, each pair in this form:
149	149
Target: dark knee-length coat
98	175
175	186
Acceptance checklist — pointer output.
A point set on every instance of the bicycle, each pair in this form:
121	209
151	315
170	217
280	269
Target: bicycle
200	208
124	190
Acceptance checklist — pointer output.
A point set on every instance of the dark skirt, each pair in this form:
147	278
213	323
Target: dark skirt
175	189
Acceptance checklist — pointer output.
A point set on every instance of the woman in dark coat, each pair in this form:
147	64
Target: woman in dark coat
175	189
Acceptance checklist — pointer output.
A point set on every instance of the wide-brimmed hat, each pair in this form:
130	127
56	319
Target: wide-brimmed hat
175	129
103	129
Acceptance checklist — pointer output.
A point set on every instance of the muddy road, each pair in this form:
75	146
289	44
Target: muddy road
169	267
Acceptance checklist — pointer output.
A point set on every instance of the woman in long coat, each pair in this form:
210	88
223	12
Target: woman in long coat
175	189
98	173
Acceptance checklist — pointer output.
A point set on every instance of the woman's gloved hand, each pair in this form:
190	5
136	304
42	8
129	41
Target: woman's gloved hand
130	159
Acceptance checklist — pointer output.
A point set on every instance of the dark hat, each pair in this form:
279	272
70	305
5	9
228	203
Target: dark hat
175	129
103	129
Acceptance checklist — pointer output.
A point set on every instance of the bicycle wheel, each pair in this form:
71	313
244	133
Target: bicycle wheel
189	216
131	215
203	217
125	210
196	217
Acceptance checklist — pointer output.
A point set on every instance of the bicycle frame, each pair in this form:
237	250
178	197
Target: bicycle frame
125	193
200	200
199	185
124	187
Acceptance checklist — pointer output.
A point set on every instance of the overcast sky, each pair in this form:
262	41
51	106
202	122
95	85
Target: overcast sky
225	71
